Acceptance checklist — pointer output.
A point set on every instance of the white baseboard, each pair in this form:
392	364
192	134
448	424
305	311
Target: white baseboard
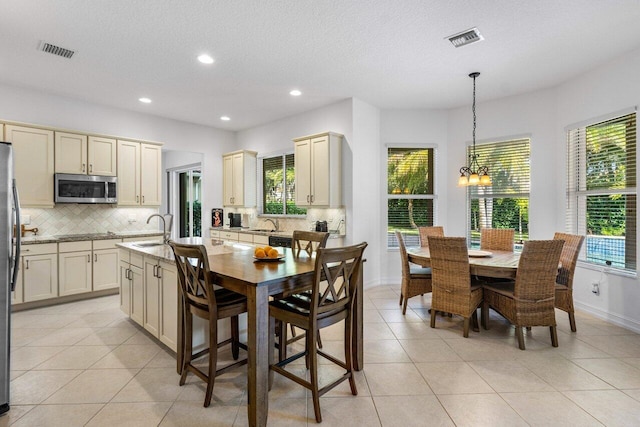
622	321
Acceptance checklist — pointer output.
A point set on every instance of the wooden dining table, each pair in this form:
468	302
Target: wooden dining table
498	264
236	269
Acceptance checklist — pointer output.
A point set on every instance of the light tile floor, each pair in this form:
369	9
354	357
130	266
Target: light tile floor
85	363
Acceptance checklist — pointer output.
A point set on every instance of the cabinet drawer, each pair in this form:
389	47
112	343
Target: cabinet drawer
215	234
105	244
143	239
136	259
245	237
39	249
229	235
260	240
74	246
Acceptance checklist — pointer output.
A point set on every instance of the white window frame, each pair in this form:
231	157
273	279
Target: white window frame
260	201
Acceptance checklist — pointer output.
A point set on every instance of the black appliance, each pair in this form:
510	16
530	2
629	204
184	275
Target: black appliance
322	226
235	219
281	241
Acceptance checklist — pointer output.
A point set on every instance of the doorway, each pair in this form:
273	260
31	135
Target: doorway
185	200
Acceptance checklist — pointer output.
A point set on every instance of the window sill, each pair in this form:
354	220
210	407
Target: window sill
607	270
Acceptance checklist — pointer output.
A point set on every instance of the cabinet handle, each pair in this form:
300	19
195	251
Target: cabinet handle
143	198
95	257
312	198
159	276
126	274
27	267
308	198
155	274
83	167
88	258
90	168
137	199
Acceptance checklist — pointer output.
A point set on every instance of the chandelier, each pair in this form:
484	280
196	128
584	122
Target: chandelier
473	173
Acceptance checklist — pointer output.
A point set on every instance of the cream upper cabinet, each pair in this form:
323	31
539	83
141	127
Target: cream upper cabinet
34	164
239	178
151	174
139	174
101	156
318	170
70	153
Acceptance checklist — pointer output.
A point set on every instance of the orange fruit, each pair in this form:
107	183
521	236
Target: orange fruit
267	249
273	253
259	253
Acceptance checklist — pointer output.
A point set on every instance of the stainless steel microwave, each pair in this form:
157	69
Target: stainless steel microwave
72	188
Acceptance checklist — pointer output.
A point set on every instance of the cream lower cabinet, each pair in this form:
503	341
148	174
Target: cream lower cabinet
132	285
106	258
161	301
75	267
40	271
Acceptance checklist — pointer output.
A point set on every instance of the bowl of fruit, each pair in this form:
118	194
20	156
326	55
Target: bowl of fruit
267	253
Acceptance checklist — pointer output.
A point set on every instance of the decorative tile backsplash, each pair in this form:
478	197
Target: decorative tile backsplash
81	219
335	220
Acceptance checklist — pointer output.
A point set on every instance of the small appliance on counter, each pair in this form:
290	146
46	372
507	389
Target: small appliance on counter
235	219
322	226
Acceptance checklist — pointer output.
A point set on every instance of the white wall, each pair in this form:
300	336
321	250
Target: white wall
29	106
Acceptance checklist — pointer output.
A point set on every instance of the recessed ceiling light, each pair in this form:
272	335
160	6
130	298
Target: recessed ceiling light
205	59
145	100
295	92
225	118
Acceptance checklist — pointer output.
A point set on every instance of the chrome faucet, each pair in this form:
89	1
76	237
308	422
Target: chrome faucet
165	239
275	223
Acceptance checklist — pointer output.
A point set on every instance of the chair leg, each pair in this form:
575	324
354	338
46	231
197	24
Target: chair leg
235	338
433	318
474	321
282	341
400	303
319	340
485	315
272	333
348	355
312	358
554	336
187	351
520	336
572	321
465	331
213	359
404	306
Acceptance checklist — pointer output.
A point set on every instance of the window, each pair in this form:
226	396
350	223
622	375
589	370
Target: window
601	190
278	186
504	204
410	195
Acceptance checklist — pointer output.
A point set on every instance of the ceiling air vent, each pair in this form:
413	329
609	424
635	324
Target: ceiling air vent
466	37
55	50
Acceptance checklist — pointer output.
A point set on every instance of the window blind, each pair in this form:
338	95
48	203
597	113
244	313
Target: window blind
410	192
277	192
504	204
601	190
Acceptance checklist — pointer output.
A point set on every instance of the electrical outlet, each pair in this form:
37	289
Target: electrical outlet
595	288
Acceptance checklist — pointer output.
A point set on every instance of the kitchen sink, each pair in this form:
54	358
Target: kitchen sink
262	230
148	244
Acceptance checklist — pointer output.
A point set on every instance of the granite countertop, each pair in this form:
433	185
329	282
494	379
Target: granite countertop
165	253
265	232
87	236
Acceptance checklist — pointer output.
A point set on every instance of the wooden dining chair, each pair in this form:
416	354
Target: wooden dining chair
337	272
305	243
497	239
425	232
529	301
564	279
199	298
415	280
453	288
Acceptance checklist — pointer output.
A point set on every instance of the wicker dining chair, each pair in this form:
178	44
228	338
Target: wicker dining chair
564	279
453	288
425	232
529	301
337	272
200	299
415	280
307	242
497	239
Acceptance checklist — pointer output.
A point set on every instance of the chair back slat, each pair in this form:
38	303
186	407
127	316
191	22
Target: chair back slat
308	241
403	256
337	272
569	257
194	275
425	232
450	264
497	239
537	270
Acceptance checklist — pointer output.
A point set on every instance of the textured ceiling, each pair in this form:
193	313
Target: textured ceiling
389	53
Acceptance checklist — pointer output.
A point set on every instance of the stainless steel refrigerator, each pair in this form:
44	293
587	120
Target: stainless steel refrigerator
9	261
